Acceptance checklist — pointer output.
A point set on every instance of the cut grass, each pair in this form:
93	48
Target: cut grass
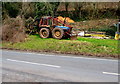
84	46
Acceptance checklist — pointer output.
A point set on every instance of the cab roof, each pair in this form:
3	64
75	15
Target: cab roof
47	17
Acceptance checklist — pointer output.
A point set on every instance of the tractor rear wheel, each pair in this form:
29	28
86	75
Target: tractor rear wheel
44	33
57	33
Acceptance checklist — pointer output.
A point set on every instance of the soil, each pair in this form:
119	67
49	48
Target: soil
96	24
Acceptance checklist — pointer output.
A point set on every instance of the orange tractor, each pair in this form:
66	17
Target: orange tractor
52	26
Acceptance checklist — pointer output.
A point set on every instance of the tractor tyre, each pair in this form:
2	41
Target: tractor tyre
57	33
44	33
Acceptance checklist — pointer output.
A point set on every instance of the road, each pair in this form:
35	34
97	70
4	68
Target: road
22	66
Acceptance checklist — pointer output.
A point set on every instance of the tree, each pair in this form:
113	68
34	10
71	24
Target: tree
95	10
28	9
55	6
118	10
11	9
14	9
66	6
78	6
42	9
46	8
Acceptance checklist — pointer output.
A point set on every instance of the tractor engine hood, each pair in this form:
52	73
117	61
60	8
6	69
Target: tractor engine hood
63	27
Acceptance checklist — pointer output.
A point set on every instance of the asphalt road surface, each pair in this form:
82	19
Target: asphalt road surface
19	66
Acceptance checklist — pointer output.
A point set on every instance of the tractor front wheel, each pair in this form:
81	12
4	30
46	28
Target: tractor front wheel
57	33
44	33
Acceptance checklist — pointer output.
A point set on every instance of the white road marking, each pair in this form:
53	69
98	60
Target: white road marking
111	73
35	63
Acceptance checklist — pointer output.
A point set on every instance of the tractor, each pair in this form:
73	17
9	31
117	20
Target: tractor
49	26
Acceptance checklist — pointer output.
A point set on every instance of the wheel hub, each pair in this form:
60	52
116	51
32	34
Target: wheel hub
44	33
57	33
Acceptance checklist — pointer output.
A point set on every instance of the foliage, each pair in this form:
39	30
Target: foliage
28	10
78	6
13	30
46	8
81	10
11	9
55	6
109	30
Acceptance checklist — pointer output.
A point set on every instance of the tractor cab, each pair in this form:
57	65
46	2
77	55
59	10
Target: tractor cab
45	21
48	21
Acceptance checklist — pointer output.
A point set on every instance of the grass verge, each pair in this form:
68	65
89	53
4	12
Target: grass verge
83	46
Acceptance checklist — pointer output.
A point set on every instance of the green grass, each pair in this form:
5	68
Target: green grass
82	45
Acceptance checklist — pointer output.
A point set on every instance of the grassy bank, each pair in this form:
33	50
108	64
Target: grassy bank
84	46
